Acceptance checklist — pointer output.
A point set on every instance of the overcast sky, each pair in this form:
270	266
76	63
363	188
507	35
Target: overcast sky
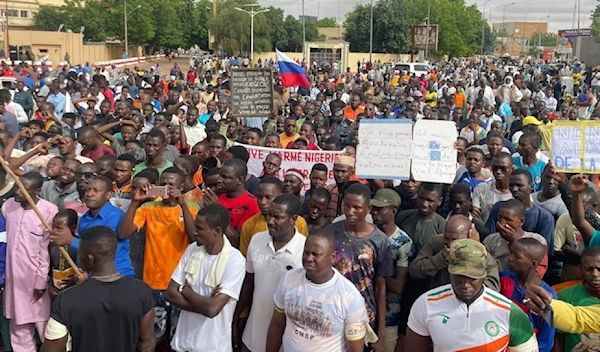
561	12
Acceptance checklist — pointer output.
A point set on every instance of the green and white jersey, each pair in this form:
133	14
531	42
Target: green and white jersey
490	323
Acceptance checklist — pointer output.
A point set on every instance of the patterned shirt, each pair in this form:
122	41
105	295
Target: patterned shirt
403	251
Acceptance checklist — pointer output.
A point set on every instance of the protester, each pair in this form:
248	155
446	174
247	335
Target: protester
81	312
317	300
466	301
206	285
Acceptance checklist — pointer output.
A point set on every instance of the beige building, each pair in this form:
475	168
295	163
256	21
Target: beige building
516	42
20	12
332	34
55	45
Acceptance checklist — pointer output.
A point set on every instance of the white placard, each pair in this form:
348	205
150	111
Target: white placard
384	149
433	153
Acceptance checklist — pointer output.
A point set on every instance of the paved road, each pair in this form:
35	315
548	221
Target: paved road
165	65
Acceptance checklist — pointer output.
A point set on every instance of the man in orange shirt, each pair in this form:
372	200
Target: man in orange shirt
169	230
289	132
351	111
460	97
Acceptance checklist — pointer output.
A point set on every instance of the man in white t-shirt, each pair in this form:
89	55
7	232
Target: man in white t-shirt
316	308
206	285
270	255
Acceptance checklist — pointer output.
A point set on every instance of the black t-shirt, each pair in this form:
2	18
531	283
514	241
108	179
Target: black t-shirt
251	185
104	316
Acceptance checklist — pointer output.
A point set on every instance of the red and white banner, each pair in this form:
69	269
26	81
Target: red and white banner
302	160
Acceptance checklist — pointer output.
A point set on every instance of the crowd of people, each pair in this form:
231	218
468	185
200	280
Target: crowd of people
145	185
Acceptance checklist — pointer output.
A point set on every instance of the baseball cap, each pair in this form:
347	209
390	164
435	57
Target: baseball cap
468	258
531	120
417	93
386	197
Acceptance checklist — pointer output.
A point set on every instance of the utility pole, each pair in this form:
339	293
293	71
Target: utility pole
252	14
427	30
483	28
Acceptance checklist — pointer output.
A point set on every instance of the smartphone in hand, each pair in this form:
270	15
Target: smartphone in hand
158	191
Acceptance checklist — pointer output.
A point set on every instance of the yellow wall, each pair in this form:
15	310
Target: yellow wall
57	44
353	57
25	11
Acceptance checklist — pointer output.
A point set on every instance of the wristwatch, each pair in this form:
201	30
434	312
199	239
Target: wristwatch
180	289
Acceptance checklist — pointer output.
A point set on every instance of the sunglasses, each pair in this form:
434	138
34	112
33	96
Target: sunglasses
87	175
499	168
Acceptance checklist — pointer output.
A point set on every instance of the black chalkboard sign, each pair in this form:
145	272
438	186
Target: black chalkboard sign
252	92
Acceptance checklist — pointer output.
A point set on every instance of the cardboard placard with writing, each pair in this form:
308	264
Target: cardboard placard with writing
575	146
252	92
433	152
384	149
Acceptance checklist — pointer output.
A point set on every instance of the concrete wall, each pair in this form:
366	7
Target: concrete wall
353	57
587	50
56	44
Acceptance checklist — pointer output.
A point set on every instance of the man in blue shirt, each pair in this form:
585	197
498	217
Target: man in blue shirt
58	99
537	219
101	213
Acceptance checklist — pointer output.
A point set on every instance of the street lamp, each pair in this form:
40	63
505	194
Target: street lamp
540	30
427	30
523	34
252	13
504	25
483	27
370	35
125	20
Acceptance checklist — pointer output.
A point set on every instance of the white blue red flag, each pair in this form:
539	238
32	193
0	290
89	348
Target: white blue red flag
290	73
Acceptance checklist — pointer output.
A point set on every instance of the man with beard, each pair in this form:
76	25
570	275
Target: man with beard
384	207
64	187
270	255
343	168
100	213
492	320
195	132
269	188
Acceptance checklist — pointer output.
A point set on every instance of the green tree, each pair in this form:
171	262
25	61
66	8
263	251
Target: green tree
48	18
327	22
547	39
357	28
169	33
194	17
277	31
232	29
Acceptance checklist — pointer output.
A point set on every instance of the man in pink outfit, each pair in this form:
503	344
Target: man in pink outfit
26	300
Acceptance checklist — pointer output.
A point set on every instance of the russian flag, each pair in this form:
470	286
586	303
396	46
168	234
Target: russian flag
290	73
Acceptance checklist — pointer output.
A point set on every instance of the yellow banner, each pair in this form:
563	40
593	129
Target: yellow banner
574	145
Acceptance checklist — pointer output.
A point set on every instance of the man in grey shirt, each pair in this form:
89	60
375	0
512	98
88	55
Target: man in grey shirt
9	119
549	197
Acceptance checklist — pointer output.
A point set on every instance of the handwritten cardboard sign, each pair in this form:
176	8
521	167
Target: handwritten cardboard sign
252	92
384	149
433	153
575	146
